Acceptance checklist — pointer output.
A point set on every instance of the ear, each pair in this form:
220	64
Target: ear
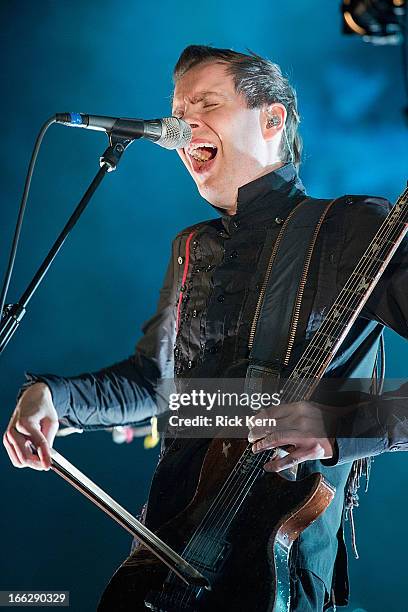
273	119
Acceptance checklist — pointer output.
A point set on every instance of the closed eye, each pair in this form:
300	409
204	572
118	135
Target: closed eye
179	113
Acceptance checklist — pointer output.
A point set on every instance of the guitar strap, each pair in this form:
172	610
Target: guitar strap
272	336
286	272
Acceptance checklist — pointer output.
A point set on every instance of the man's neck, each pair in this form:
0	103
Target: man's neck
232	209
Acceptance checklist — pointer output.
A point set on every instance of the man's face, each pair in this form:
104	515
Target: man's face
228	148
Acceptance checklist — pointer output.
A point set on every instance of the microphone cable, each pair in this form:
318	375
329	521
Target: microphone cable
21	212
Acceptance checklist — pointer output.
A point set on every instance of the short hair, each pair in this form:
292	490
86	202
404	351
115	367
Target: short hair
259	80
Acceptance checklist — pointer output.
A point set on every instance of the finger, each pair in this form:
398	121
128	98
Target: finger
49	429
17	441
282	420
275	440
258	432
35	464
289	461
33	459
39	441
23	449
11	453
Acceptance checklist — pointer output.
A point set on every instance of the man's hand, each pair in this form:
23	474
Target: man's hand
300	426
34	422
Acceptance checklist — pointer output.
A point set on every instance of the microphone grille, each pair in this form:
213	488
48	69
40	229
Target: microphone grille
176	133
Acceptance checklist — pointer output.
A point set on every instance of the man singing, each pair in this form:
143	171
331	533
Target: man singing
243	158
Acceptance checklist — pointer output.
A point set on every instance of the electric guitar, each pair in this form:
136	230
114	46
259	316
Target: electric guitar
233	539
239	527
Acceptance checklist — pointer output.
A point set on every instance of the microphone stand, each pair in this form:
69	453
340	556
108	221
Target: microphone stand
11	317
13	313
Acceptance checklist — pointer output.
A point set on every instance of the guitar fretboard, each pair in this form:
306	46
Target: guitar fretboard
349	303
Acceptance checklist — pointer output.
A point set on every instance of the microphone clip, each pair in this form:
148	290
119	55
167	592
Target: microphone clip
112	155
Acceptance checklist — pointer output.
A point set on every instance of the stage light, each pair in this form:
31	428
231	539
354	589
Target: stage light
380	22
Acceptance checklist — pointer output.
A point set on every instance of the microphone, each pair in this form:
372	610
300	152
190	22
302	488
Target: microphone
170	132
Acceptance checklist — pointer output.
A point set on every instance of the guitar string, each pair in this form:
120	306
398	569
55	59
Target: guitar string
221	491
241	478
185	594
201	541
256	466
314	348
242	484
224	489
336	325
252	474
243	494
386	229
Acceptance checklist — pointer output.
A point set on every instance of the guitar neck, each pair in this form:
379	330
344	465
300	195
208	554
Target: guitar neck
355	293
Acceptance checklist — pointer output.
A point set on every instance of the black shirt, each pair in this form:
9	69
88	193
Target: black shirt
201	330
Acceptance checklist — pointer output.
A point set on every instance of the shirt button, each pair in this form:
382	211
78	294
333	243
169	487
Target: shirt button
278	220
221	298
234	254
194	313
195	243
235	224
180	260
190	364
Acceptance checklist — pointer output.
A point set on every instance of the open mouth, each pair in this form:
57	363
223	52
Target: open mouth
201	155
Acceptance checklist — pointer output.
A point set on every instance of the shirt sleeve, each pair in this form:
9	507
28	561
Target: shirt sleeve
126	392
380	424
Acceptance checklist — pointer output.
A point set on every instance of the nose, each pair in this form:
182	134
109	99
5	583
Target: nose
192	123
192	116
192	120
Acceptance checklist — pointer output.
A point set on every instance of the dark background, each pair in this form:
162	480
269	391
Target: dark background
116	59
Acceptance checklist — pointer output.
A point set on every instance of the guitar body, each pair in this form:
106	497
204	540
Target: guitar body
248	566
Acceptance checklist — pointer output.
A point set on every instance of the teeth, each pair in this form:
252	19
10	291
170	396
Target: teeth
196	145
201	156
